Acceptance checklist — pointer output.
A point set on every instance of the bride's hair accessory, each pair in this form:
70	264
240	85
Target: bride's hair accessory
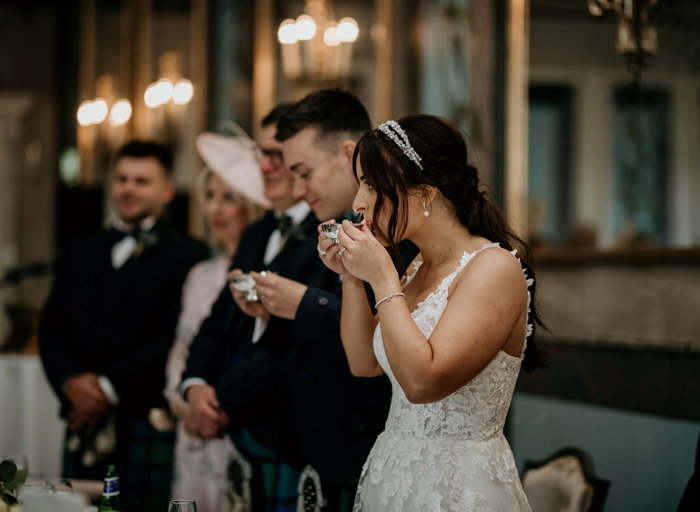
393	130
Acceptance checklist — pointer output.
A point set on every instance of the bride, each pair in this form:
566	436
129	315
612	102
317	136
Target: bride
451	334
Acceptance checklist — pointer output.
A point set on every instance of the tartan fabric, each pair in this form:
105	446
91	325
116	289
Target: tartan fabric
144	463
274	483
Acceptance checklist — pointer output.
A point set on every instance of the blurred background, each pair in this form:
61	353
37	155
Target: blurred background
584	119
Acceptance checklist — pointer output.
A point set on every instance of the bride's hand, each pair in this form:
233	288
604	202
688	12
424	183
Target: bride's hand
363	255
328	251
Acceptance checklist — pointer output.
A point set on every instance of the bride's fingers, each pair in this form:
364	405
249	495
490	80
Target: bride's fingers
351	229
333	249
319	228
324	244
345	239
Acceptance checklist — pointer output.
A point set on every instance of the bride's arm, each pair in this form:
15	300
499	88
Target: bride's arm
357	324
485	306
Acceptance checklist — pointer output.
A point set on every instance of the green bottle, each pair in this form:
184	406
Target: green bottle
110	501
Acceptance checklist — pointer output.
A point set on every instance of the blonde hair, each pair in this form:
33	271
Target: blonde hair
253	211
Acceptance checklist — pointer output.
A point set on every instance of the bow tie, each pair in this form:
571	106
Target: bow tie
147	236
285	225
128	244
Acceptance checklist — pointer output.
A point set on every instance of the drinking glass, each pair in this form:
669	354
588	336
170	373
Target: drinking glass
36	487
331	230
182	506
20	461
245	283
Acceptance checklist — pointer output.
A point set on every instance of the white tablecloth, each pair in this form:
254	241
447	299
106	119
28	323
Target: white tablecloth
29	421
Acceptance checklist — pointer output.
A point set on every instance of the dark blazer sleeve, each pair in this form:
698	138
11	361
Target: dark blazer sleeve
330	419
248	385
321	309
248	388
56	346
208	347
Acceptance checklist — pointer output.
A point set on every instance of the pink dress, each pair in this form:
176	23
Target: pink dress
200	465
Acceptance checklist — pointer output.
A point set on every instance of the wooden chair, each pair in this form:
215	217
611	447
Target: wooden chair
564	482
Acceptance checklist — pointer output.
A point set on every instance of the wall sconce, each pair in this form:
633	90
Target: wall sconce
103	121
637	36
102	128
170	87
166	99
314	58
96	111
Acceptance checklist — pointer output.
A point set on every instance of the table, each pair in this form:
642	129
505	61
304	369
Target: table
29	421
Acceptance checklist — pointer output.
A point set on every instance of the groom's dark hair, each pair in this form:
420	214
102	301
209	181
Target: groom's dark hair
334	112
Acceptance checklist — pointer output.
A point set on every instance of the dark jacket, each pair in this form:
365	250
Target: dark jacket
117	323
246	375
330	418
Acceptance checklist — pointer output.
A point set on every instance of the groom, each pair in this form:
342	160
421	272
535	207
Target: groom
330	419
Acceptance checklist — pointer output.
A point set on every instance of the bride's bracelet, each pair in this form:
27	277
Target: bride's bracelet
389	297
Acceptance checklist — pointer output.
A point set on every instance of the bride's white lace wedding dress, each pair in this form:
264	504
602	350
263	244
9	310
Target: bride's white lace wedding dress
448	455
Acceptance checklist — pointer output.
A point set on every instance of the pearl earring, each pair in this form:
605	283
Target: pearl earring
426	213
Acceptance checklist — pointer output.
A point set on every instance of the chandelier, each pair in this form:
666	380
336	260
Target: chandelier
637	36
316	50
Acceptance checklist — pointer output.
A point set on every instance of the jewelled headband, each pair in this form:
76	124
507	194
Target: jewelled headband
393	130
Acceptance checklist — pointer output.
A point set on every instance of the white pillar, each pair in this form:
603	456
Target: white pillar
517	82
683	166
593	169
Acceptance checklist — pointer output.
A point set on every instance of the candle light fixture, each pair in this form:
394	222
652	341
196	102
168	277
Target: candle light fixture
317	50
105	106
637	36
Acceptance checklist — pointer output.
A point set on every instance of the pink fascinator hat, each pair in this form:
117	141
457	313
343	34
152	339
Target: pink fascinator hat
234	159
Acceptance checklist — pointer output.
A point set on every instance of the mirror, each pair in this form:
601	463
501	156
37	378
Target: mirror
613	142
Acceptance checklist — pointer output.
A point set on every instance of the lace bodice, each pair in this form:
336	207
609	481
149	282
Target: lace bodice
449	455
477	410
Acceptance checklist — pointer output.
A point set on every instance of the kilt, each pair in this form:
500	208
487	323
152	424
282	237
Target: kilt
144	462
274	483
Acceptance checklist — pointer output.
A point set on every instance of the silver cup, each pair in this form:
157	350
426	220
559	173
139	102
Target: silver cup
331	230
245	283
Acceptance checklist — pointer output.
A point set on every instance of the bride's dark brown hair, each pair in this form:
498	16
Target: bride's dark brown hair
444	158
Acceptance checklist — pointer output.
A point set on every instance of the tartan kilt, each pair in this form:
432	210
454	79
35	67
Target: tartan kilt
274	483
144	462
